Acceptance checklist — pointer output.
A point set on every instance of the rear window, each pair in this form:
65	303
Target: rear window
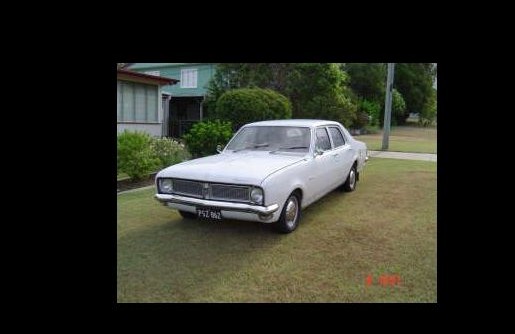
336	136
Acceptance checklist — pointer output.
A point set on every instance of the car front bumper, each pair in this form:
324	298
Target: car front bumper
229	210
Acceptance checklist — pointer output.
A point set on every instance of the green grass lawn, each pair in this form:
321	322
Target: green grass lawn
386	227
404	139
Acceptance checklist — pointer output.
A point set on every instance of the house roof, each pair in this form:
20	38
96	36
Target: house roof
125	74
141	66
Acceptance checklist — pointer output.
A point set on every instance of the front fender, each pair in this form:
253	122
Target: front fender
279	185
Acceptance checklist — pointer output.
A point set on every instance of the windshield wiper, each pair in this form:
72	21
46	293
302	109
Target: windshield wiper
252	146
288	148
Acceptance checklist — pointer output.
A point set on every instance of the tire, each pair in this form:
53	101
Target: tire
287	223
187	215
352	180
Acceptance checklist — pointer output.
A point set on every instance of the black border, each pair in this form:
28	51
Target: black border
99	169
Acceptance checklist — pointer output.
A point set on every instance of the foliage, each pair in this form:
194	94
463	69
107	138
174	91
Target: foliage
333	91
315	90
168	151
373	110
134	155
372	129
428	114
367	80
399	113
362	120
203	137
415	82
246	105
321	91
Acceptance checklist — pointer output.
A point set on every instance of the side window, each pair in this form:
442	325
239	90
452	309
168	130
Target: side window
337	137
322	141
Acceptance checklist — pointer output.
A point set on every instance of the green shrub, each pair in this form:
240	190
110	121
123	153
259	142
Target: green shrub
337	107
168	151
135	157
373	110
245	105
399	111
203	137
429	112
362	119
372	129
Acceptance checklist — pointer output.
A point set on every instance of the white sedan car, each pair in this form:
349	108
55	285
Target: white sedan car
268	172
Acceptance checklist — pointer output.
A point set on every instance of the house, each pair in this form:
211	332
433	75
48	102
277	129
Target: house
140	103
184	103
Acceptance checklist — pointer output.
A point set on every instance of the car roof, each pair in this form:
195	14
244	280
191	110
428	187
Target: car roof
294	122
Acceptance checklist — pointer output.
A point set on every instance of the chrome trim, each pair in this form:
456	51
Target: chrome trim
168	198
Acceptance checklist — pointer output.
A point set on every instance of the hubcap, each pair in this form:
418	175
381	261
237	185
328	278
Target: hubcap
291	211
352	179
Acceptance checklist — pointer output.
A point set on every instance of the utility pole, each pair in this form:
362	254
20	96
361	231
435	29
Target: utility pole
388	106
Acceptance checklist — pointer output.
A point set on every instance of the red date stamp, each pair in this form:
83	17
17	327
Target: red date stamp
383	280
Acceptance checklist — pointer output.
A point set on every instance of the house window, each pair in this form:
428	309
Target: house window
156	73
136	102
189	78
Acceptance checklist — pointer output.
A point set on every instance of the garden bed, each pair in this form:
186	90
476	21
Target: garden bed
128	184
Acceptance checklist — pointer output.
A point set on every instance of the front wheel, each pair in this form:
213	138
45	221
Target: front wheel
290	215
350	183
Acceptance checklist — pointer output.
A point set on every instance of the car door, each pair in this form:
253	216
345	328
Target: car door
342	154
321	177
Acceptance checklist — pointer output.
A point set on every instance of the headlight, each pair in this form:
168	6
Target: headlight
256	195
165	185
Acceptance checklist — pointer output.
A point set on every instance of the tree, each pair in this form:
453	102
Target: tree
367	80
321	91
415	82
315	90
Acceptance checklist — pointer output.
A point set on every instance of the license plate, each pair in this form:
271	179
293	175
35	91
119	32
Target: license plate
209	213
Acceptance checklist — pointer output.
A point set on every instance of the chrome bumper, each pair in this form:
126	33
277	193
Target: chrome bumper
229	206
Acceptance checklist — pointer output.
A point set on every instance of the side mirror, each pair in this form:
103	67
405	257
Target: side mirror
219	148
318	151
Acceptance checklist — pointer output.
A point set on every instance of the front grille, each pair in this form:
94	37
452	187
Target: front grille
214	191
230	193
187	188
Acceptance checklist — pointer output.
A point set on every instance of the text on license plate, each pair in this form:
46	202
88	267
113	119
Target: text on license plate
207	213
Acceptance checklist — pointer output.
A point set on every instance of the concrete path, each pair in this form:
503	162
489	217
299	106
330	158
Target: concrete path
402	155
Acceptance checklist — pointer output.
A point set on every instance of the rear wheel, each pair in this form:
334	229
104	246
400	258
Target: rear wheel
350	183
187	215
290	215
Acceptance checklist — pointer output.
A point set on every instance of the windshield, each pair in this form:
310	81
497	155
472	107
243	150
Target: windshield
272	138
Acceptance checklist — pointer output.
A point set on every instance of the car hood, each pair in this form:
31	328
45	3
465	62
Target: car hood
250	167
